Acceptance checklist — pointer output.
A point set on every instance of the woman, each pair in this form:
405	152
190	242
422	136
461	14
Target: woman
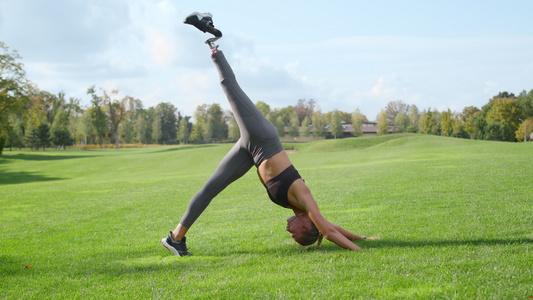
258	145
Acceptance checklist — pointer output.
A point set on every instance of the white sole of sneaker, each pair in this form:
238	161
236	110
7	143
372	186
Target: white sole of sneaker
169	248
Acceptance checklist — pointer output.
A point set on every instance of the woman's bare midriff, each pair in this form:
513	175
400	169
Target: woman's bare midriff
273	166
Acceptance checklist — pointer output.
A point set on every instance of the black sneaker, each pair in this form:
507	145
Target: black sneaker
204	22
177	247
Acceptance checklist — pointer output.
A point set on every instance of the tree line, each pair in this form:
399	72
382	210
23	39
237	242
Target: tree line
38	119
505	117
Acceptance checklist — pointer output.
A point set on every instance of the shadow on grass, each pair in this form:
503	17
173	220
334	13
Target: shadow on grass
144	259
10	177
10	265
23	177
144	262
39	157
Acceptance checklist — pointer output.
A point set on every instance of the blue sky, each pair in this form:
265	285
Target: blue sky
343	54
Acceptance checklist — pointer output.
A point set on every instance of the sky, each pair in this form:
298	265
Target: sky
344	55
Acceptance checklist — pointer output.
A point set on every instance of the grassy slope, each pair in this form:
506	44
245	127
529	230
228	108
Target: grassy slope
455	215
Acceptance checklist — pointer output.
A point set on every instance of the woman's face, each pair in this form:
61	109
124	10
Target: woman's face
297	225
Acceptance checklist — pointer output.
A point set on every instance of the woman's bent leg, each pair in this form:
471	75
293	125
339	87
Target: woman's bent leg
234	165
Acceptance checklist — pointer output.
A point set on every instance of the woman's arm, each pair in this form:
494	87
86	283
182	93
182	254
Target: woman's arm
349	235
300	196
352	236
330	232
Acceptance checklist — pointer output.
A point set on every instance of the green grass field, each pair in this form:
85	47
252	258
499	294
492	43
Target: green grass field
456	217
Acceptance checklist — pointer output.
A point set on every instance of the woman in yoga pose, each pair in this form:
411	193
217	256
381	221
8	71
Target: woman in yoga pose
258	145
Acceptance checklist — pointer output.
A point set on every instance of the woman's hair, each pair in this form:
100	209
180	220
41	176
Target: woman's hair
311	236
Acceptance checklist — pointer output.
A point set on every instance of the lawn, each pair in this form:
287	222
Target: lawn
456	217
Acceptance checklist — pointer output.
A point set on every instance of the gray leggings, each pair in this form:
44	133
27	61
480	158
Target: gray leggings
259	140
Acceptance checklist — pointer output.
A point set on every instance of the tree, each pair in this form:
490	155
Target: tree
215	128
84	128
273	116
3	139
480	126
413	119
285	114
42	136
357	123
263	108
32	138
305	129
13	85
294	124
525	100
498	132
421	120
98	116
165	113
144	125
505	94
427	122
59	130
79	126
52	104
524	130
446	123
458	125
196	133
140	129
34	110
335	124
15	136
72	107
198	130
74	115
61	138
126	130
115	111
345	117
280	126
469	115
319	125
209	133
507	133
98	122
401	122
184	130
393	108
233	129
505	111
383	123
156	130
437	123
305	109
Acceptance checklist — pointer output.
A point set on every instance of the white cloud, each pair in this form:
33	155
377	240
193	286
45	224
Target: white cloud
161	47
378	89
194	82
